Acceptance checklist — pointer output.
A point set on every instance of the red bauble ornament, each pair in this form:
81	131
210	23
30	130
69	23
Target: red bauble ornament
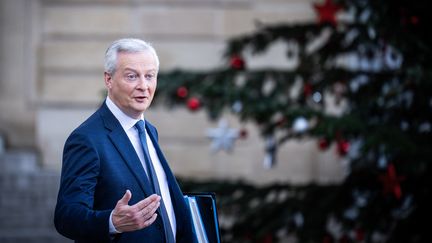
182	92
193	104
327	239
268	239
237	62
243	133
391	182
359	235
342	147
307	89
327	12
323	143
414	20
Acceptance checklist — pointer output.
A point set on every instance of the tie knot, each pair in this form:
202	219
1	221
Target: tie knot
140	126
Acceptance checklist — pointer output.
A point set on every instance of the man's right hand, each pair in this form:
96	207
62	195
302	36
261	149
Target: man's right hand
127	217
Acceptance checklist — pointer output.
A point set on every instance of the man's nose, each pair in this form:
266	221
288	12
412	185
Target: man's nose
143	83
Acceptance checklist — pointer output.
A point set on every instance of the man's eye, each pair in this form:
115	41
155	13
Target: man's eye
131	76
149	76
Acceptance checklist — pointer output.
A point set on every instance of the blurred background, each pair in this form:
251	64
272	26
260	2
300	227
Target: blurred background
309	119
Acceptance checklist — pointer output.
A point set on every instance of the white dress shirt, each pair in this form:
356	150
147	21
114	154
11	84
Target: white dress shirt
128	125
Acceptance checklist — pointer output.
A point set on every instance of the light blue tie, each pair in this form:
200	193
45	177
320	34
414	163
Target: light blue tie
169	236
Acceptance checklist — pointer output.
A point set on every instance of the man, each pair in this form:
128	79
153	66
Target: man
116	185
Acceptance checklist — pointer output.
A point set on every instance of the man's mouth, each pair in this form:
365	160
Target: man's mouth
141	98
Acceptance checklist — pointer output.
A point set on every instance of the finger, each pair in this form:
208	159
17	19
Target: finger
154	198
148	211
150	221
125	199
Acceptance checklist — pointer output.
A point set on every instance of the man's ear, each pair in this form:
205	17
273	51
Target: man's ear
108	79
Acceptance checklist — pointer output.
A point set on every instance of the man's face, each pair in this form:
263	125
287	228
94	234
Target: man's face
134	82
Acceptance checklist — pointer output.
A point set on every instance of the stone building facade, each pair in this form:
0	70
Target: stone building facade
51	79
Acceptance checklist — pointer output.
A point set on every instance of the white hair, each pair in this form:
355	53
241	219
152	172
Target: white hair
128	45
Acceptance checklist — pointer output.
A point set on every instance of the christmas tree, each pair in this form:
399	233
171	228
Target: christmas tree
372	60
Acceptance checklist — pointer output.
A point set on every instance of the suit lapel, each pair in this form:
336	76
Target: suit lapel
124	147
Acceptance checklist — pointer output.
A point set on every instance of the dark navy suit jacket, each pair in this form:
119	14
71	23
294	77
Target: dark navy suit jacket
99	164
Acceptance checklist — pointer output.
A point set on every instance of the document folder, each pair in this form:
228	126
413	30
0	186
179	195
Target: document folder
204	216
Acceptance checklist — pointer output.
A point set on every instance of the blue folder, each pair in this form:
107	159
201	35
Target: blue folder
204	216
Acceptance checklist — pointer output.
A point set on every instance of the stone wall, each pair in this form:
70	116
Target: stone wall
16	62
27	200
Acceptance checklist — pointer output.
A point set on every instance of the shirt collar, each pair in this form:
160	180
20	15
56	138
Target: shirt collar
126	121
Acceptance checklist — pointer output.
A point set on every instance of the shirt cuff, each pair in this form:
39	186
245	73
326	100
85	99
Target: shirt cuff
112	229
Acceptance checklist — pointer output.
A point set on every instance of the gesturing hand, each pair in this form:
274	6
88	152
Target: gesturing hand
134	217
